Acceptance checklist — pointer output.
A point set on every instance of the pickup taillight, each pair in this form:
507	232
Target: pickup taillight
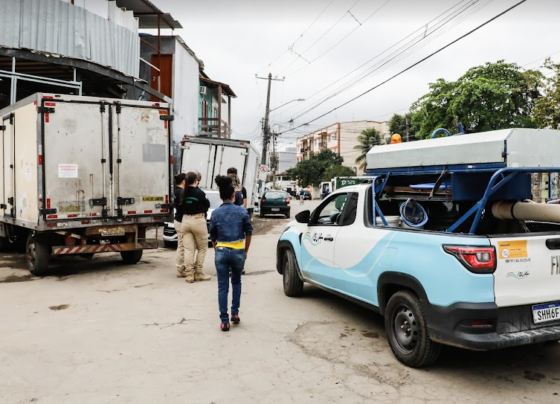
479	260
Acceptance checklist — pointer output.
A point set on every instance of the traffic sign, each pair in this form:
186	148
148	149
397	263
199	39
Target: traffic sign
264	169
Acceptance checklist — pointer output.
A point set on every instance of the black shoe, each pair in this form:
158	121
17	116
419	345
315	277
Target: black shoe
225	327
235	318
243	272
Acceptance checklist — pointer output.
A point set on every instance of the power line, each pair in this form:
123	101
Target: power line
300	55
416	63
398	55
343	39
300	36
380	54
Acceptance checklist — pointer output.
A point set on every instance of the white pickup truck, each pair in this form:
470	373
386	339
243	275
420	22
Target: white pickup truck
443	243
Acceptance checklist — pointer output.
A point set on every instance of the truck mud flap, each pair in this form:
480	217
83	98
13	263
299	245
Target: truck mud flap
95	249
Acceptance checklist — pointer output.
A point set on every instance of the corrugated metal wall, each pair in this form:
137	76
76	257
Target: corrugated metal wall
54	26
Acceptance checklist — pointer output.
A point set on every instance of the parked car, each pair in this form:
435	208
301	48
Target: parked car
170	235
275	202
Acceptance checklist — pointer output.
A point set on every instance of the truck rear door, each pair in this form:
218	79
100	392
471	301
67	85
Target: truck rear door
200	157
528	273
7	192
141	159
230	156
75	155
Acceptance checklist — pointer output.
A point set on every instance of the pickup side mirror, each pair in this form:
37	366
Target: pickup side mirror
303	217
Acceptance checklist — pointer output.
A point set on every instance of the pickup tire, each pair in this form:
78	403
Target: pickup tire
293	285
131	257
407	333
37	254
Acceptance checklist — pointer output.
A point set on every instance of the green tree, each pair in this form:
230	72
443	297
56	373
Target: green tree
311	171
403	124
546	112
337	171
492	96
366	140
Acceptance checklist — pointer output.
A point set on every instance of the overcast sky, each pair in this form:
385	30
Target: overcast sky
237	39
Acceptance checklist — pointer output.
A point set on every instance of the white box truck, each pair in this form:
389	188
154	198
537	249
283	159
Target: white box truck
213	156
83	175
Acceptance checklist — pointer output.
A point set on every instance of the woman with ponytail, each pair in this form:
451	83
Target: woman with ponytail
195	232
230	232
179	196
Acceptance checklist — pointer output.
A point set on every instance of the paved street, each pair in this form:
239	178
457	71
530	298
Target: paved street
98	332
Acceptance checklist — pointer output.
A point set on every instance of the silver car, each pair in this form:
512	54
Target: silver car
170	235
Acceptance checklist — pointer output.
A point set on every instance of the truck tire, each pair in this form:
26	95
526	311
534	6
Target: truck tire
38	254
293	285
131	257
407	332
4	244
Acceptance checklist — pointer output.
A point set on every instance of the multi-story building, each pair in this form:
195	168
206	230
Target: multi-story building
340	138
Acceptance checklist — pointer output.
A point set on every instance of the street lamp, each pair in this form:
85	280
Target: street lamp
299	99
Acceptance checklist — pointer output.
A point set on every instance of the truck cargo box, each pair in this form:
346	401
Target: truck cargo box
70	163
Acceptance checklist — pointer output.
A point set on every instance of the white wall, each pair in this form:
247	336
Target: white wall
185	93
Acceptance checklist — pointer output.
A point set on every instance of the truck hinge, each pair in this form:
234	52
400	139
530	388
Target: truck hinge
45	110
48	211
125	201
105	213
168	118
98	202
2	127
3	206
12	116
118	107
10	200
102	107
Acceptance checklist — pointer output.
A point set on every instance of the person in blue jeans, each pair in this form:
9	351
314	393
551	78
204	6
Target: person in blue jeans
230	232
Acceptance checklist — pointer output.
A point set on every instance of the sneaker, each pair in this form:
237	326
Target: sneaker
235	318
201	277
225	327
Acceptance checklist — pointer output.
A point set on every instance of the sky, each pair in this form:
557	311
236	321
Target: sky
330	51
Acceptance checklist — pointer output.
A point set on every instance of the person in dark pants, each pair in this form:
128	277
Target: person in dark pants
230	232
240	192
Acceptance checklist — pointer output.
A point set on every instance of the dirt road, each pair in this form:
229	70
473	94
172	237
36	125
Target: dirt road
101	332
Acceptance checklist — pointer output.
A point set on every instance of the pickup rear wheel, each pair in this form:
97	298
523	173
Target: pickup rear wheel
131	257
293	285
38	255
407	332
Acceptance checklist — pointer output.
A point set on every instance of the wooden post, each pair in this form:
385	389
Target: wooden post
229	116
219	110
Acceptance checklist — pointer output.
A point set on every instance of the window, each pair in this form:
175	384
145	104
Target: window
348	216
329	212
333	136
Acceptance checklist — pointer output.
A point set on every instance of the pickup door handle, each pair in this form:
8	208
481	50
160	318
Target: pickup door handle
328	238
553	243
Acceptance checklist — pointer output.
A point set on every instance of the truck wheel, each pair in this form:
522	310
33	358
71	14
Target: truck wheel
407	333
131	257
293	285
38	255
4	244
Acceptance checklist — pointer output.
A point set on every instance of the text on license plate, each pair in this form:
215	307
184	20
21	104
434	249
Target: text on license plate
275	209
546	312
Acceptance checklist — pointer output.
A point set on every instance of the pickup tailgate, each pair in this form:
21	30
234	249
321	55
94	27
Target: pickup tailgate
528	272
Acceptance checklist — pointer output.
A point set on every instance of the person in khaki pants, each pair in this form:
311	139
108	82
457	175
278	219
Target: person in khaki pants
195	233
180	183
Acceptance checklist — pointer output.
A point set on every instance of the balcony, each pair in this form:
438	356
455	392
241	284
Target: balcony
214	127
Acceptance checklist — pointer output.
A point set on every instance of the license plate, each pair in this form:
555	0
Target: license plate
112	231
544	313
275	209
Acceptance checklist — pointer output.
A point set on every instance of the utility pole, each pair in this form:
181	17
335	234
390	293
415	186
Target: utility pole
406	120
266	128
274	160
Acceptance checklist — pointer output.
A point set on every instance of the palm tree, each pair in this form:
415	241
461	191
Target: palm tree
366	140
